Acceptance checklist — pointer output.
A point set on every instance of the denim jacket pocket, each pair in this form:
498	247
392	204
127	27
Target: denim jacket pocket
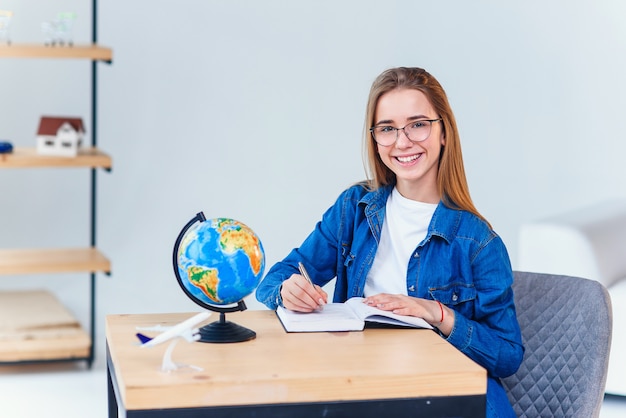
453	294
346	255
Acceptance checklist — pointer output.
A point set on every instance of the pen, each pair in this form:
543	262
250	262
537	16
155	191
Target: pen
304	273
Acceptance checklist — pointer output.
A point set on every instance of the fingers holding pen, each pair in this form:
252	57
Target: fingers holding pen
300	295
321	296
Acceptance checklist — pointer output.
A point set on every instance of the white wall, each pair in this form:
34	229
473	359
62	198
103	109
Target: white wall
254	110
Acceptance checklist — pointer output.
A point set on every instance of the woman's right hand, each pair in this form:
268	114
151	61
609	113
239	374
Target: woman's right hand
301	296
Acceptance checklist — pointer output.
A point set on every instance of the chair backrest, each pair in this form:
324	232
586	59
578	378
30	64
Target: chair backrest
566	325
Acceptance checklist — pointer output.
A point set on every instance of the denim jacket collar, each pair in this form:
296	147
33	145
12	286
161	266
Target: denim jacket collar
444	223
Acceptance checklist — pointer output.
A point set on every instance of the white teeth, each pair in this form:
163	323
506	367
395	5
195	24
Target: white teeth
407	159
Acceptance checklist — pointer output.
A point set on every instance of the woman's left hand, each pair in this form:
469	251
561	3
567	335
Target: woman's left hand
435	313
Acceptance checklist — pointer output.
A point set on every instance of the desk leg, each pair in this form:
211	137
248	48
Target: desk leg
112	389
111	393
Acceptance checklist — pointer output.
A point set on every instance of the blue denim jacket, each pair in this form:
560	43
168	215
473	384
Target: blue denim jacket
461	263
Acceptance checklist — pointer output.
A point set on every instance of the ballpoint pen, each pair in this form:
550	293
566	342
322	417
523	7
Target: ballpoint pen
304	274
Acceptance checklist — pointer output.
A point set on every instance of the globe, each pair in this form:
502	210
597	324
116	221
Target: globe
218	262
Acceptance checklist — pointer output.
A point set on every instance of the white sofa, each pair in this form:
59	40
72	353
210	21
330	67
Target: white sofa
590	243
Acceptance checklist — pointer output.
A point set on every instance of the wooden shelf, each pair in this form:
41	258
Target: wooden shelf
35	326
67	260
90	52
28	157
66	348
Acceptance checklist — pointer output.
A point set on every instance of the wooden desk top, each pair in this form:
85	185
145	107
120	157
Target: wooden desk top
278	367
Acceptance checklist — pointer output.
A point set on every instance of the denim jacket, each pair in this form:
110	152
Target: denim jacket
461	263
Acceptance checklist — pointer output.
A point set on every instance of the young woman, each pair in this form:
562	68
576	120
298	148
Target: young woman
410	240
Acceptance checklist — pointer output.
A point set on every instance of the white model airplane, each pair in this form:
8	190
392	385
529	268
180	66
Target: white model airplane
185	329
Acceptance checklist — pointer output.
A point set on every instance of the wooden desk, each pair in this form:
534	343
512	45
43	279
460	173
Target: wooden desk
374	373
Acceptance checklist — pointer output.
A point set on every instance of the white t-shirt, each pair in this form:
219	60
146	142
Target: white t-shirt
405	226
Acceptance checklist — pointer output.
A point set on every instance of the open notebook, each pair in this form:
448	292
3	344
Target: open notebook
348	316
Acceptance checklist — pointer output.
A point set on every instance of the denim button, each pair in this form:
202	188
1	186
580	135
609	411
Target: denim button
454	297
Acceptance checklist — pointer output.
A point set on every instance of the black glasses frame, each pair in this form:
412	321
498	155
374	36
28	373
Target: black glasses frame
430	121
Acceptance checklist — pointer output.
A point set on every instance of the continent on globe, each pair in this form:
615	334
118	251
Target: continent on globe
206	280
237	237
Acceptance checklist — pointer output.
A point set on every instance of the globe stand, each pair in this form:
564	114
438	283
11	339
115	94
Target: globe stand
224	331
221	331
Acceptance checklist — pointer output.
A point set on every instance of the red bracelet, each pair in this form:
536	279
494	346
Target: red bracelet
441	307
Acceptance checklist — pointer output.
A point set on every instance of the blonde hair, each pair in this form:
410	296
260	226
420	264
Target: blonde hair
451	180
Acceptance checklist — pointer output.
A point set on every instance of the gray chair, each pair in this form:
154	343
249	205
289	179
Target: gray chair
566	325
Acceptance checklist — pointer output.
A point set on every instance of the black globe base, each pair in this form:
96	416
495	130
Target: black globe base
224	331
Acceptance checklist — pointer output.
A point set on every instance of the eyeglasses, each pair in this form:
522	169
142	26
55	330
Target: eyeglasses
416	131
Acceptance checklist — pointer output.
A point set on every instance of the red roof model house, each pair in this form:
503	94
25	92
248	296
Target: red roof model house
60	136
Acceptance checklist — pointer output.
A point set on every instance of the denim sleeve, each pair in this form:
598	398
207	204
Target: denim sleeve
492	337
318	252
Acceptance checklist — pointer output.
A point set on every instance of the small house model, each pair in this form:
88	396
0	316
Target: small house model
60	136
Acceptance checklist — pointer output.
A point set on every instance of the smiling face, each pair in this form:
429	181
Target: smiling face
415	164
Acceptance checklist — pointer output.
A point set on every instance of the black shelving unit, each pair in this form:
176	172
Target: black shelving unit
88	260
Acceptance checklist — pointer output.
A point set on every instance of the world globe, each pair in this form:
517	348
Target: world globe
218	262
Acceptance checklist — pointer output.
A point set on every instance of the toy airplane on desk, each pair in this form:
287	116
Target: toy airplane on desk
185	329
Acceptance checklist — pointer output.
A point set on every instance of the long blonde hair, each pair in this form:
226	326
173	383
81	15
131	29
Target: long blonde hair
451	180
